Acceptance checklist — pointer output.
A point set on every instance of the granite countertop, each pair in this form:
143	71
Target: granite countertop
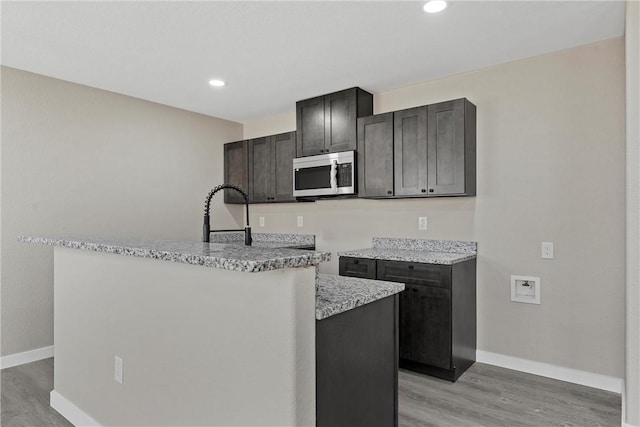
445	252
337	294
226	256
267	240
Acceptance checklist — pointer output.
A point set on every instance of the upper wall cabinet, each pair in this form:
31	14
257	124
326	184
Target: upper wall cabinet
451	146
263	167
235	170
419	152
375	156
410	151
271	168
327	124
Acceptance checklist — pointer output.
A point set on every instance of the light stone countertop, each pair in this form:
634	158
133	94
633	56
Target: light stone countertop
446	252
337	294
427	257
267	240
225	256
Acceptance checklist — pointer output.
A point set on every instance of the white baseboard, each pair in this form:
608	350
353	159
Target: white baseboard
70	411
26	357
575	376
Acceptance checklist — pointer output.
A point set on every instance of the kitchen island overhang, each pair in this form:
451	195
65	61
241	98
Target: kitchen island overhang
200	345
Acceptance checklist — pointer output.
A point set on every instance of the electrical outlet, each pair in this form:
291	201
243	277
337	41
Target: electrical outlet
422	223
300	221
118	370
547	250
261	221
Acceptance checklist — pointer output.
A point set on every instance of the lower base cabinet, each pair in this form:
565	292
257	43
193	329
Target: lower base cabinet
357	366
437	309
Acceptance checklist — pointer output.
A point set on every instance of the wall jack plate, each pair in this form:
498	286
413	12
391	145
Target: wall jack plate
525	289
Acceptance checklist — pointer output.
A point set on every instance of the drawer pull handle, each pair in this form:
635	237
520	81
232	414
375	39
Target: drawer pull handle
414	290
356	261
411	267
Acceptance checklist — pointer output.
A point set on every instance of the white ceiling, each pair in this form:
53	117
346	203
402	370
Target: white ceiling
275	53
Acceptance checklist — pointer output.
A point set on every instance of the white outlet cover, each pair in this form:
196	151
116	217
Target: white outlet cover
525	289
300	221
546	250
261	221
422	223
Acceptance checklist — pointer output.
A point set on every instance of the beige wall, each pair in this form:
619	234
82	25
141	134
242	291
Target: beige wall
631	415
550	162
78	161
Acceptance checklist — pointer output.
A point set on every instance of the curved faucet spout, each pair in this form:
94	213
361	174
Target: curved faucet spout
206	228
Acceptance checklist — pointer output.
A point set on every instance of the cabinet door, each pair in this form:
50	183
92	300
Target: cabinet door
357	267
410	151
375	156
405	343
340	117
260	170
310	127
415	273
235	170
431	326
283	151
446	147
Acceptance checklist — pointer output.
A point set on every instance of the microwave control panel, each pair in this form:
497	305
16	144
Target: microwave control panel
345	175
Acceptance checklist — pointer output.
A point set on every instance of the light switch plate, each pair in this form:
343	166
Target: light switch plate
118	370
300	221
261	221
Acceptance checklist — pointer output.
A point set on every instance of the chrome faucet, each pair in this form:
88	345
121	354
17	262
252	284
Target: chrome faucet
206	228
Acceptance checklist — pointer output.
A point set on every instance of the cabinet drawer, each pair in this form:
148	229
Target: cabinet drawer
415	273
357	267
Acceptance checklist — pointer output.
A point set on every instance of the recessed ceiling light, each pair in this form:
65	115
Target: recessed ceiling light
217	82
435	6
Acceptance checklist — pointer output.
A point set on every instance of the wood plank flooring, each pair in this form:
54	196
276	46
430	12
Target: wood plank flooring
491	396
25	396
484	396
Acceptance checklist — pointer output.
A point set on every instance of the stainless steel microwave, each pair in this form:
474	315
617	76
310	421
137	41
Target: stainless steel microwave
324	175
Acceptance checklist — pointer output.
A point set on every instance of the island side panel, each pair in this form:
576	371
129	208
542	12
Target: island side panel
201	346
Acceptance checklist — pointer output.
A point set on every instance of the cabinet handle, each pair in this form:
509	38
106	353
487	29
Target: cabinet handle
389	192
411	267
423	190
414	290
355	261
431	190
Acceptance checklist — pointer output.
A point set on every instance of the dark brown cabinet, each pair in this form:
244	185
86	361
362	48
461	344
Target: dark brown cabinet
410	151
263	167
437	313
375	156
271	168
357	366
235	170
357	267
327	124
451	146
425	151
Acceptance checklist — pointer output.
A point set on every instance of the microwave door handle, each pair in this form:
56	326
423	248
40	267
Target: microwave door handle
334	176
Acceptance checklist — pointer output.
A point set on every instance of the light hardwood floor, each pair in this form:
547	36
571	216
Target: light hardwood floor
484	396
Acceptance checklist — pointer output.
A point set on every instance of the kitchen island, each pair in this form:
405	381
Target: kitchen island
202	342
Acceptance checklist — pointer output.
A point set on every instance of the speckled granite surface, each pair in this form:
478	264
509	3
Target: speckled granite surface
445	252
337	294
455	246
267	240
226	256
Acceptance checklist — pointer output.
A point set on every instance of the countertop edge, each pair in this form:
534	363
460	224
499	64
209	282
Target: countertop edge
221	262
